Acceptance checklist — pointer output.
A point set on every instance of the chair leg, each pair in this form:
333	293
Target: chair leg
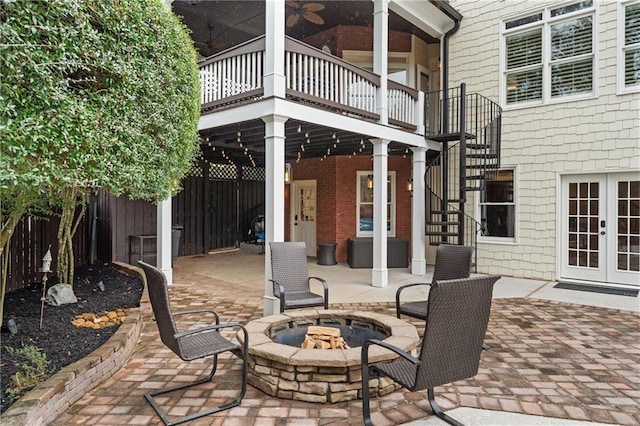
366	410
438	412
170	422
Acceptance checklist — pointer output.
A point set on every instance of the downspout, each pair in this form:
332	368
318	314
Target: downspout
456	17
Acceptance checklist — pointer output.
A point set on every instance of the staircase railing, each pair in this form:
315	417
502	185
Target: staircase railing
456	115
472	228
469	128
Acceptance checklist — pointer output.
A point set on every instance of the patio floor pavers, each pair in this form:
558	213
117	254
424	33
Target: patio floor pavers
547	358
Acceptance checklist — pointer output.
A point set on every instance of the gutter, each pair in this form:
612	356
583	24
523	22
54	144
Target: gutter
456	17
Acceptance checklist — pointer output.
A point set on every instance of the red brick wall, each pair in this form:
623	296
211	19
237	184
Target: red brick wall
351	37
336	196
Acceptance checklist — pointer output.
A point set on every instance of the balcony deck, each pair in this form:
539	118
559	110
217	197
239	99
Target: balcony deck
313	77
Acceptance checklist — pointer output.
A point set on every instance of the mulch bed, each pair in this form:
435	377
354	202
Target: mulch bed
62	342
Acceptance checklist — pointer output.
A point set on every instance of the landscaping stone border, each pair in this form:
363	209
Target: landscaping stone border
54	396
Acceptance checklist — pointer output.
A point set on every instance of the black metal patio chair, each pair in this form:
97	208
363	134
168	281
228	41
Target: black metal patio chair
452	262
290	277
458	314
191	344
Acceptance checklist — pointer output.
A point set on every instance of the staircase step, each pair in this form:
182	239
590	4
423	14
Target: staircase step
474	177
450	137
478	146
434	223
488	156
489	166
441	234
440	212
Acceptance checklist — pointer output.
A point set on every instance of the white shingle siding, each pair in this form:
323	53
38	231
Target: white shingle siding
597	134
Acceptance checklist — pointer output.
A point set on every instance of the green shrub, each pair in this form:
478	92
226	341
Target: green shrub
93	94
33	370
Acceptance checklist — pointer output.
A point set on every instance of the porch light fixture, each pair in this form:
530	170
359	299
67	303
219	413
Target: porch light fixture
288	176
410	185
369	181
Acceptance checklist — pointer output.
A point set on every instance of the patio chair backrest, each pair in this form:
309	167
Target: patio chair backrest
159	296
289	266
452	262
457	318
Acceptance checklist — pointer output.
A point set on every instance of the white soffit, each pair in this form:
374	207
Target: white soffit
424	15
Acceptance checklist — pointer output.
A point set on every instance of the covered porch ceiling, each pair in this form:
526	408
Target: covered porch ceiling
242	144
218	25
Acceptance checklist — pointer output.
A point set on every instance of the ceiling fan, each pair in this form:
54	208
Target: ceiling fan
212	42
306	11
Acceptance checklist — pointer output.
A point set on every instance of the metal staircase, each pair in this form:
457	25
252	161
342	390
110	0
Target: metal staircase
469	128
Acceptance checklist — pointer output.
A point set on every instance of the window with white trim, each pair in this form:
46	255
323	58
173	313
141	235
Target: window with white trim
629	59
549	55
498	207
364	207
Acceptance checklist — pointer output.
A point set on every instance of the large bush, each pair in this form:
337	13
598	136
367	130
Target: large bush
93	94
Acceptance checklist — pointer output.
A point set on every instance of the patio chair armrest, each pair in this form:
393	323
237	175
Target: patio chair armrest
326	290
281	293
210	328
280	288
198	311
404	287
395	349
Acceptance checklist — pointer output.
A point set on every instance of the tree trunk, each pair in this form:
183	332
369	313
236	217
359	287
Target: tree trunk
67	229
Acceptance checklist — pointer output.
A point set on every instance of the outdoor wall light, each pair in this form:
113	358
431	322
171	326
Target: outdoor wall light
410	185
369	181
288	175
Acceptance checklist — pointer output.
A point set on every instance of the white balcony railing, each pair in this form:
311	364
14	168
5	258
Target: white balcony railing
312	76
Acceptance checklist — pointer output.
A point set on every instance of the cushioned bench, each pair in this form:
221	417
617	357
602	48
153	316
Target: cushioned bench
360	252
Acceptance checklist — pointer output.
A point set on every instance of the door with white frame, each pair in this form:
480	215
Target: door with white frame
600	228
304	214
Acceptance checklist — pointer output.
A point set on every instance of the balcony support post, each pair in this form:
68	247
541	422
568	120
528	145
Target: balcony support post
418	209
380	273
274	199
380	55
163	242
274	78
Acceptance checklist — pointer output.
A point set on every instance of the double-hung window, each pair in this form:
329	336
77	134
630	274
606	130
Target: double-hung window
364	210
629	44
498	207
548	55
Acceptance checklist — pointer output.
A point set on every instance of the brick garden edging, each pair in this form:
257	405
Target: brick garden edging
51	398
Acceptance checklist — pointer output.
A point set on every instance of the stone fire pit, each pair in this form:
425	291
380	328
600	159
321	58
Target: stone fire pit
313	375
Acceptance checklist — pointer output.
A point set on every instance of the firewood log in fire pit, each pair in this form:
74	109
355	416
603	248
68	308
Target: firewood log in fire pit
319	337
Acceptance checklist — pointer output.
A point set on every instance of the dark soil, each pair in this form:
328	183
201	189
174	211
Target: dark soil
62	342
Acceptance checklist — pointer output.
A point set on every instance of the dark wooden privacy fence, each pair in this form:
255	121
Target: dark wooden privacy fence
30	242
214	210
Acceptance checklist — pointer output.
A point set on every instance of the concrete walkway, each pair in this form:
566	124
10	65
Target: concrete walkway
557	357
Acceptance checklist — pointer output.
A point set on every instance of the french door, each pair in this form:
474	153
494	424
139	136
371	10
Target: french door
600	228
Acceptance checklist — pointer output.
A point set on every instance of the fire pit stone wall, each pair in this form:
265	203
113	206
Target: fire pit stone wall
321	376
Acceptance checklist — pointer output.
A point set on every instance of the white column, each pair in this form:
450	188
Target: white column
380	273
163	245
418	224
274	79
380	55
274	199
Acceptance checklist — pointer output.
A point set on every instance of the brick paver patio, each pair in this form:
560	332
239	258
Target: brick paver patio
547	358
